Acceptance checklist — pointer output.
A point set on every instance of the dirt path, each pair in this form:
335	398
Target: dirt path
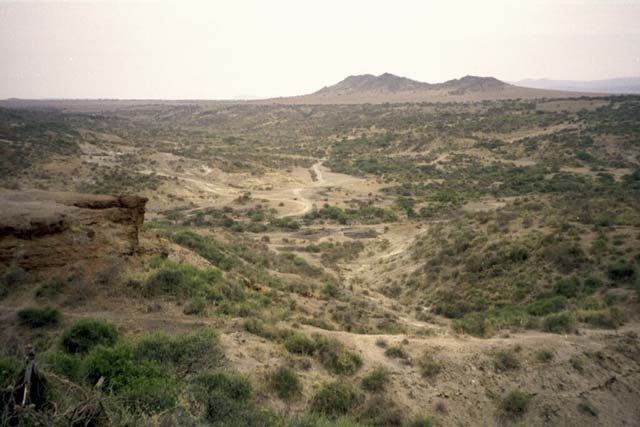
296	201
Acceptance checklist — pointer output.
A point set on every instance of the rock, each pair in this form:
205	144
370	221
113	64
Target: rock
40	230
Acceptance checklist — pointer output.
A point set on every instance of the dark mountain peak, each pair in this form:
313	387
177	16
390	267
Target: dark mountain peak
386	82
474	84
390	83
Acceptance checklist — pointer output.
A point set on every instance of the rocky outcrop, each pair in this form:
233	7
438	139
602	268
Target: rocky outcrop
40	230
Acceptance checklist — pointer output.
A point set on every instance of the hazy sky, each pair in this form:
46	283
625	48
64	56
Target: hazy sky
222	49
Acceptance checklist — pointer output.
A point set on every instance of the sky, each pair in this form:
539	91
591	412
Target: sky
233	48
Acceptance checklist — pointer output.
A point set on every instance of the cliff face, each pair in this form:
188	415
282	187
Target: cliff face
39	229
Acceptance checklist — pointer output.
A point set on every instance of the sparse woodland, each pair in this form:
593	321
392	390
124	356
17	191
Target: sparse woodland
423	264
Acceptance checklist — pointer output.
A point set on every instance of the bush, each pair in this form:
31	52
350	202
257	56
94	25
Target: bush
622	272
285	383
566	256
568	287
335	357
429	366
335	399
9	368
187	351
298	343
547	306
11	278
180	280
544	356
505	360
85	334
473	324
196	306
141	385
376	380
227	397
259	328
382	343
516	403
396	352
203	246
50	289
225	411
149	392
609	319
380	411
559	323
37	317
69	365
233	386
591	284
330	290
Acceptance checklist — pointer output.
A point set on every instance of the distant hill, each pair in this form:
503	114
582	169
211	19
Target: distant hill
368	82
387	87
625	85
389	83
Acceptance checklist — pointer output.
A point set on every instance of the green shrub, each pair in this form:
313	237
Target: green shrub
37	317
186	351
182	280
544	356
547	306
559	323
197	306
609	319
516	403
567	287
566	256
382	343
473	324
330	290
335	399
230	384
591	284
453	310
227	398
505	360
11	278
85	334
429	366
50	289
298	343
260	328
396	352
376	381
381	411
285	383
222	410
335	357
9	369
206	247
14	276
142	386
68	365
622	272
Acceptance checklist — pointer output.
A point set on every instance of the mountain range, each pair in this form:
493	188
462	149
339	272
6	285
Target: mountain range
387	87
